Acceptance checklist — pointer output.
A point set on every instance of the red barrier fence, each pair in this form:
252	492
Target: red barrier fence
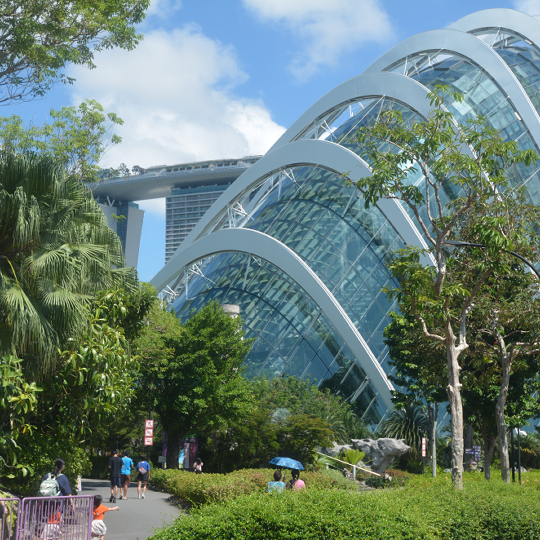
46	518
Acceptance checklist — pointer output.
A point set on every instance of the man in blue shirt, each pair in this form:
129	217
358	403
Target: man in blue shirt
127	465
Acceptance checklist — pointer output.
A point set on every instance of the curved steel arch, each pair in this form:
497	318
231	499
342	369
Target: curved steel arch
506	19
393	85
304	152
268	248
480	53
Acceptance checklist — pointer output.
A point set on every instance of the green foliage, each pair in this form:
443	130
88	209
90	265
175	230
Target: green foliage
39	39
38	452
191	374
17	401
434	512
55	251
200	489
410	424
76	140
352	456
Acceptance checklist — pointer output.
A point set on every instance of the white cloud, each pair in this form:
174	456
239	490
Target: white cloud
328	28
154	206
163	8
175	95
531	7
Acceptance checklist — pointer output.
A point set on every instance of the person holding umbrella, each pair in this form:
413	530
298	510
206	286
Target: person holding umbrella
295	482
287	463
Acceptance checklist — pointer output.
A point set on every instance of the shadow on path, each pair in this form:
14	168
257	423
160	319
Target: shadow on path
137	519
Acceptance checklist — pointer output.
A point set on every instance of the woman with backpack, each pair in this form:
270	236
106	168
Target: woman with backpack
55	483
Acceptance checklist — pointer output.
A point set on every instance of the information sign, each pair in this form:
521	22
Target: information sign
148	432
149	424
148	441
424	450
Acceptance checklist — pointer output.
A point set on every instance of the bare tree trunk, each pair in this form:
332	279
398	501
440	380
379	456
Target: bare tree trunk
173	449
456	406
433	413
489	444
499	413
468	443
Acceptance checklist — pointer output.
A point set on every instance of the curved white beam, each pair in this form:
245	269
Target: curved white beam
304	152
268	248
393	85
481	54
506	19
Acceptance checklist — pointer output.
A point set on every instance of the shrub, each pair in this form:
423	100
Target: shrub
482	511
199	489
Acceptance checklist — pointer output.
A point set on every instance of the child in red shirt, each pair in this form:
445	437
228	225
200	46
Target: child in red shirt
98	526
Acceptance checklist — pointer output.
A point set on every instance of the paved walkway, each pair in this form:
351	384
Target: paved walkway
137	519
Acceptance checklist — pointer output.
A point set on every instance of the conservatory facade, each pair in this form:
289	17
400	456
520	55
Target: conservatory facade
294	246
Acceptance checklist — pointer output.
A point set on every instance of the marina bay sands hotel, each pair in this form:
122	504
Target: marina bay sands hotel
189	188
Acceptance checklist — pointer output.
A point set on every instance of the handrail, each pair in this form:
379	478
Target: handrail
350	465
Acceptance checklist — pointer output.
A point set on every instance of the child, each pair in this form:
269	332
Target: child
98	526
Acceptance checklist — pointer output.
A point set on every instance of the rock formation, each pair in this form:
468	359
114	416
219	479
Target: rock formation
381	452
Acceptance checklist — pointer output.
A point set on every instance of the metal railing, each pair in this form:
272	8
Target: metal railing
46	518
350	465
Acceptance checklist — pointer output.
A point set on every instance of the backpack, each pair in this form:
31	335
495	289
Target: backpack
49	487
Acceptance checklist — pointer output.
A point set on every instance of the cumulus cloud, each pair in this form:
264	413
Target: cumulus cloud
163	8
176	95
328	29
531	7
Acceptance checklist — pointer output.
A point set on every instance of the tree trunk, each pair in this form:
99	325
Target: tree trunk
173	448
488	457
456	407
468	443
499	414
433	413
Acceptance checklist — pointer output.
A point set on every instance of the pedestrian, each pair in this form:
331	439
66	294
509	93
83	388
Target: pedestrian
115	467
198	466
277	485
98	525
295	482
127	465
143	475
54	484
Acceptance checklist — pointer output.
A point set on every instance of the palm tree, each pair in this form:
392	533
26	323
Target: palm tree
410	424
56	251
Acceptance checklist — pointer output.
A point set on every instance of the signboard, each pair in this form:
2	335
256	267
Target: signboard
474	465
424	452
148	433
477	452
162	459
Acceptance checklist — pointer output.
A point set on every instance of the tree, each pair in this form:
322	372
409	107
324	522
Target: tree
190	374
420	372
440	184
77	138
56	251
39	38
17	401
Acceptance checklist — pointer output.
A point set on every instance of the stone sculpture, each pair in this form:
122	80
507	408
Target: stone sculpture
381	452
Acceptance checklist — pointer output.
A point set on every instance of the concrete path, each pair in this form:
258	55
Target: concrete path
137	519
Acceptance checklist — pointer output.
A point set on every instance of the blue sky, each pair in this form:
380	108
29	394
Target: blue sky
215	79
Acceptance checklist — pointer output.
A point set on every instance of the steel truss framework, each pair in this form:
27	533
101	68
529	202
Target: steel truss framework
268	217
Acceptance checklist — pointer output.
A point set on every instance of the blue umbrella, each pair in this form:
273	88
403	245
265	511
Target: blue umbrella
287	463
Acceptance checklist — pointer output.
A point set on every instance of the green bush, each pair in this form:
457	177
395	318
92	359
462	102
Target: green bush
199	489
39	451
483	511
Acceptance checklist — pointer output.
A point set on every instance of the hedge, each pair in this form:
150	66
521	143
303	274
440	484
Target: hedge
198	489
487	511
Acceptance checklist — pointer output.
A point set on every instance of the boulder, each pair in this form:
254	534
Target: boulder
381	452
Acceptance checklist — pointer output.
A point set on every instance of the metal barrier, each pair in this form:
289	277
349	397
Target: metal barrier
47	518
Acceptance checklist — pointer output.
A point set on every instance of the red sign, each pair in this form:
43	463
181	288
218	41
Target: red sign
424	453
148	432
148	441
149	424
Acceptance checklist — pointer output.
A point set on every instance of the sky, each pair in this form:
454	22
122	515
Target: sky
219	79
